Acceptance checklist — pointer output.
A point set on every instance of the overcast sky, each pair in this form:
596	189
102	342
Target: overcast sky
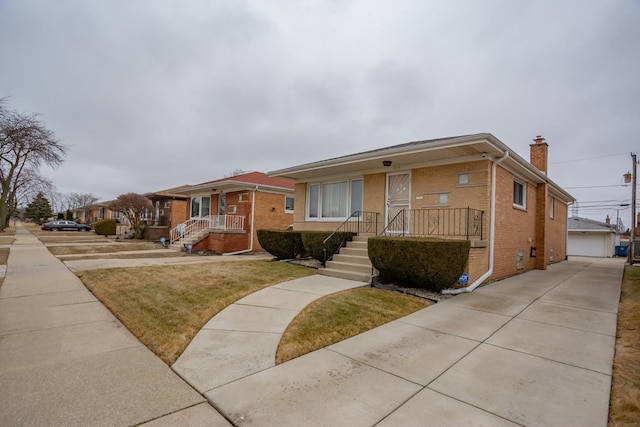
154	94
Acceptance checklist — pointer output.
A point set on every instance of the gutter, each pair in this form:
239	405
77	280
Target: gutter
492	233
253	213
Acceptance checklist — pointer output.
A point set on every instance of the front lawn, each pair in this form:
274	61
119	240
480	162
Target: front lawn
165	306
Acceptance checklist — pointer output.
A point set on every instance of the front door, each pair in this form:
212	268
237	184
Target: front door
398	198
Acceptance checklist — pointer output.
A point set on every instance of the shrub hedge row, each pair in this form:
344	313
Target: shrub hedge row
312	241
289	244
105	227
420	262
282	244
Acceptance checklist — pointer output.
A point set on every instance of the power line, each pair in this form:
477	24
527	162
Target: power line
589	158
597	186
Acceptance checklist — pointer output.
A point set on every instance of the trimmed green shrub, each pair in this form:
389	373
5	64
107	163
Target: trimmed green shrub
312	241
283	244
419	262
105	227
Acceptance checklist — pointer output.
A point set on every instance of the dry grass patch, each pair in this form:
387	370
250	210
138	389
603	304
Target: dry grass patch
4	256
100	249
342	315
167	254
624	407
165	306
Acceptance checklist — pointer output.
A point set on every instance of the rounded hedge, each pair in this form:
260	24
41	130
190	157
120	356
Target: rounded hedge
419	262
105	227
283	244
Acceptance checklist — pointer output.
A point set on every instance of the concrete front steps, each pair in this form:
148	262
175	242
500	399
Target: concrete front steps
191	239
352	262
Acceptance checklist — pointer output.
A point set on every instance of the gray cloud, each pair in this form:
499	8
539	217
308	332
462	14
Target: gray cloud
154	94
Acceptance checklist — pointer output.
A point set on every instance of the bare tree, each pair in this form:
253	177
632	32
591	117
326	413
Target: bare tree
133	206
84	202
25	145
27	187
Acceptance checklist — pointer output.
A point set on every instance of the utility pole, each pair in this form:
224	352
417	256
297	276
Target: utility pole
632	238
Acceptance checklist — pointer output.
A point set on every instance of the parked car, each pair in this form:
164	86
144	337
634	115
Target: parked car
65	226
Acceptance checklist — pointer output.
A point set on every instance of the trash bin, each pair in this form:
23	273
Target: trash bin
621	251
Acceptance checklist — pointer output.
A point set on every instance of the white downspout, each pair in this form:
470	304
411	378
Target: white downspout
492	233
253	213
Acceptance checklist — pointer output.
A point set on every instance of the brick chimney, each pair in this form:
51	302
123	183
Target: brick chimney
539	153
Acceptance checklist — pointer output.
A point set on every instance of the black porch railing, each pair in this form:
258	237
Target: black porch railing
456	222
358	222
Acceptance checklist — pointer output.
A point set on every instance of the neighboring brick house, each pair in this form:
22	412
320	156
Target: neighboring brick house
170	208
225	214
93	213
473	186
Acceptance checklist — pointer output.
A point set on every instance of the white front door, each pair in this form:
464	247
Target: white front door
398	198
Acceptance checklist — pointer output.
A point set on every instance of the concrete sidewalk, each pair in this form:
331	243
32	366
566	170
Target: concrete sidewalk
536	349
66	360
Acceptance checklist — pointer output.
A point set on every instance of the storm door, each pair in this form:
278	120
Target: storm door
398	198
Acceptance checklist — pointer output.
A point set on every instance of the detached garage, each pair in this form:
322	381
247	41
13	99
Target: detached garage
590	238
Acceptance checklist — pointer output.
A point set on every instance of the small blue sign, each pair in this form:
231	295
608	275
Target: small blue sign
464	279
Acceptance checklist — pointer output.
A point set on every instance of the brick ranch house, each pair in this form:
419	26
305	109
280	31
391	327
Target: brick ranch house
472	187
170	208
225	214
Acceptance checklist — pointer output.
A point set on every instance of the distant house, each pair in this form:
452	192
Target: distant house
170	208
591	238
93	213
225	214
466	187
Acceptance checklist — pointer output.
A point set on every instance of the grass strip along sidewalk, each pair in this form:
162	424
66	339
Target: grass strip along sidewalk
624	409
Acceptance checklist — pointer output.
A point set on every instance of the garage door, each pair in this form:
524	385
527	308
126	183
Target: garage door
586	245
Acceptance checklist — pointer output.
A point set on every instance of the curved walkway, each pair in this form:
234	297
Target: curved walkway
243	338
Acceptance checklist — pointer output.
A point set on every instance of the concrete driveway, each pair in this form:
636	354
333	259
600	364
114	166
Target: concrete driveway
536	349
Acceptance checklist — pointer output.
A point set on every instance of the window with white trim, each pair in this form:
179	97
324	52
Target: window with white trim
334	200
200	206
519	194
288	204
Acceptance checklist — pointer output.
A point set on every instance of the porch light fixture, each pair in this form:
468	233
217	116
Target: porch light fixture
386	163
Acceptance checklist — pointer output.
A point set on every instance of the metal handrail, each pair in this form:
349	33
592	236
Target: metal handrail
189	228
358	222
458	222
